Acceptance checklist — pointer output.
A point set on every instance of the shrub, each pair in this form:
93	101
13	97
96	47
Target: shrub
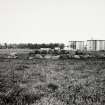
52	86
21	67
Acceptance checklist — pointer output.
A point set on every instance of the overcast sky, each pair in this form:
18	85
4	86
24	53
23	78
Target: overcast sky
45	21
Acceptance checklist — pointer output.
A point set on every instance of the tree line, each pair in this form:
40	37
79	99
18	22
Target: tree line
33	46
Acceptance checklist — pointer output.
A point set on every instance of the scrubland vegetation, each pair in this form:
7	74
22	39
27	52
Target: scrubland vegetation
52	82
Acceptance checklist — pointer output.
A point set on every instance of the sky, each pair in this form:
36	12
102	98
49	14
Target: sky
50	21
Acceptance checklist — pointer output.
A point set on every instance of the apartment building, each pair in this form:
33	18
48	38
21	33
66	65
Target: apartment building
95	45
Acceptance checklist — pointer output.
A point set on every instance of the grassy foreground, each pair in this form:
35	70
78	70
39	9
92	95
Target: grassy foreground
52	82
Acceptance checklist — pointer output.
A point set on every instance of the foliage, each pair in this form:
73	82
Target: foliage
33	46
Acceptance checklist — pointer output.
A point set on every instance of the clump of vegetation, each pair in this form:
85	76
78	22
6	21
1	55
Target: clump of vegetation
21	67
52	86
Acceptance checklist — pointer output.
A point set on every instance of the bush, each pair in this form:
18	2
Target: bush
64	56
21	67
52	86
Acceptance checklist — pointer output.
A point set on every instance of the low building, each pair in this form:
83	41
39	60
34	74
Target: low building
57	48
66	47
47	49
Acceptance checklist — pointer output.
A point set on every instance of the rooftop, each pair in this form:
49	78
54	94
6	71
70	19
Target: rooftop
95	40
76	41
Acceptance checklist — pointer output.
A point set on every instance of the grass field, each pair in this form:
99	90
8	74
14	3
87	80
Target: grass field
7	51
52	82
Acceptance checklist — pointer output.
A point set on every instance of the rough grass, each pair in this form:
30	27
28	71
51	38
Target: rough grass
6	51
52	82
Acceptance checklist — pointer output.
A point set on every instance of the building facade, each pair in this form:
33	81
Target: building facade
95	45
76	45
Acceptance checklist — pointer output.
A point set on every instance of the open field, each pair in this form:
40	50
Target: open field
52	82
7	51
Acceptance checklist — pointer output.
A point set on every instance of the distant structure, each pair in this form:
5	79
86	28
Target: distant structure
47	49
66	47
95	45
76	45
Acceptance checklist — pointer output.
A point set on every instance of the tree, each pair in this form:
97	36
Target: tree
5	45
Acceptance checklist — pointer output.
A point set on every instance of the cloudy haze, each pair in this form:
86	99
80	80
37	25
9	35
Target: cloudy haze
45	21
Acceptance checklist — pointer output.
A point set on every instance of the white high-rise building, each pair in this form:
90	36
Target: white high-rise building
95	45
76	45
